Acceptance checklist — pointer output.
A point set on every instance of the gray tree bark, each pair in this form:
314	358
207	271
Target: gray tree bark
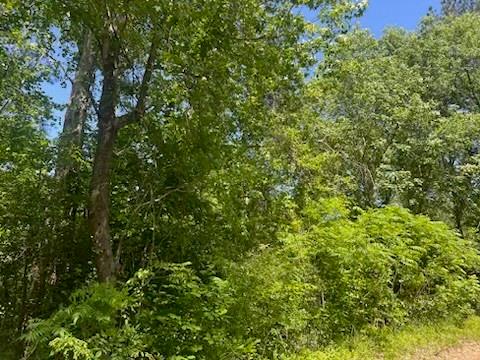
71	139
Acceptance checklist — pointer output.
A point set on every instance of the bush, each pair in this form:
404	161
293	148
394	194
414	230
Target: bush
331	278
96	325
163	312
389	267
275	294
184	315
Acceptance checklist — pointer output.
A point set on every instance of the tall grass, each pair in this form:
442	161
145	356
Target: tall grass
408	343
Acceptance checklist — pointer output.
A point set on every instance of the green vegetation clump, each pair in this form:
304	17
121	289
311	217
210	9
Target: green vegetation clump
425	340
329	281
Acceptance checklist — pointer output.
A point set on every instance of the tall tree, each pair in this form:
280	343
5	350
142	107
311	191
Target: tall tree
411	115
191	45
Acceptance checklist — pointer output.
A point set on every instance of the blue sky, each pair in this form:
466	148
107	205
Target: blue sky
379	15
404	13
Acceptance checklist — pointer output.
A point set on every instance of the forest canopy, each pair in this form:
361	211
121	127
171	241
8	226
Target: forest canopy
230	180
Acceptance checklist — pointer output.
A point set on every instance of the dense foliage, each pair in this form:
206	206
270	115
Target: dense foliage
214	192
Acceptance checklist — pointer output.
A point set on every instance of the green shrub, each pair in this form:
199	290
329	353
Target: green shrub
387	268
184	315
275	293
333	277
96	325
163	312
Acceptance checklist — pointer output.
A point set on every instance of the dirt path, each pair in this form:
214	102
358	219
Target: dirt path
464	351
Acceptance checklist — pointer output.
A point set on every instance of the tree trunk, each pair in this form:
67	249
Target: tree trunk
108	127
67	166
71	139
99	209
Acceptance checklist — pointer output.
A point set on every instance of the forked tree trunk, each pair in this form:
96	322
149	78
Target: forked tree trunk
108	127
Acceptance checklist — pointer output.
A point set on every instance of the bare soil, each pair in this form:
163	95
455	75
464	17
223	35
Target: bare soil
463	351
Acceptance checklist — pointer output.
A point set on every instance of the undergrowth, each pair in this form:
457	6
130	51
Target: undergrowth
389	344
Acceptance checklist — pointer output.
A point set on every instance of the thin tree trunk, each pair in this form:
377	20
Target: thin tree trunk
99	209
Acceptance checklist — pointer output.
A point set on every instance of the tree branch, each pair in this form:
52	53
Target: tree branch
139	110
